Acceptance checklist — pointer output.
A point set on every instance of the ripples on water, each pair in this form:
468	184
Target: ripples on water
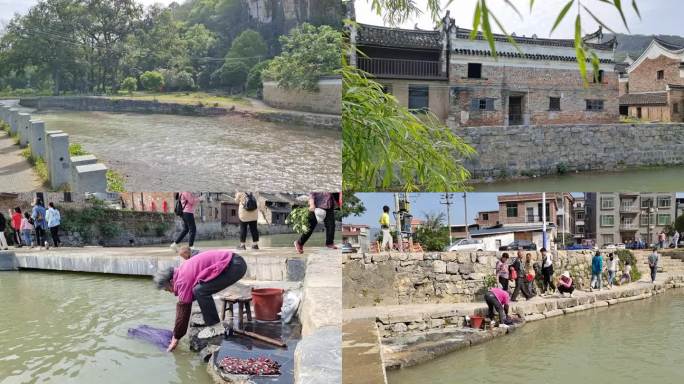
166	152
72	328
637	342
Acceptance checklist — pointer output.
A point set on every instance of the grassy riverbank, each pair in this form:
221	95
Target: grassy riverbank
205	99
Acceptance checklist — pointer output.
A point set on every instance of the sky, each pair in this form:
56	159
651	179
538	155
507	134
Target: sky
422	203
658	16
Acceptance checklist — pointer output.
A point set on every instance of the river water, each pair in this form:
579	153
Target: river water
636	180
158	152
637	342
72	328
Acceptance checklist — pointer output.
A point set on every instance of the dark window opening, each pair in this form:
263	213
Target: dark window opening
626	87
598	78
661	75
485	104
594	105
554	104
511	209
639	112
67	197
474	70
675	108
485	216
387	89
419	98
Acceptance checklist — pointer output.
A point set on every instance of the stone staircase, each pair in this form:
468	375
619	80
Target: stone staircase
671	265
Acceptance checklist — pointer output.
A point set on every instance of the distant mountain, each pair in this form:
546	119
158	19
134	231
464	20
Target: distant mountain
636	44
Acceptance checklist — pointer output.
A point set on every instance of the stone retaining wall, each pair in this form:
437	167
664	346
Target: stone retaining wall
435	277
328	98
546	150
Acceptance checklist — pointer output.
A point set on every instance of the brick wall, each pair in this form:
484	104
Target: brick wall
644	77
541	149
537	85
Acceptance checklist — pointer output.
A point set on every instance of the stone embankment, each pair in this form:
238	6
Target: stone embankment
403	334
75	173
104	104
526	150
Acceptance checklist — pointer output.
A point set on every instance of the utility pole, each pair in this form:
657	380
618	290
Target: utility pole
465	214
447	202
397	219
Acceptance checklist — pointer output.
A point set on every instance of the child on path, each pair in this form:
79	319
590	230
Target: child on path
26	229
626	274
387	241
613	262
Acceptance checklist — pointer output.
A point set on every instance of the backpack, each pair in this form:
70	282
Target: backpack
250	202
179	207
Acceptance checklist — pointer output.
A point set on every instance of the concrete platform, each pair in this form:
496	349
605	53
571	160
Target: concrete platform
268	264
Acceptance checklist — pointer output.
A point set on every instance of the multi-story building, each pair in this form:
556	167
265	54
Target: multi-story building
579	212
526	208
457	78
653	87
486	219
625	217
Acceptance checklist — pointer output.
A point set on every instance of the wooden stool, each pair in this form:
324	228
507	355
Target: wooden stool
244	306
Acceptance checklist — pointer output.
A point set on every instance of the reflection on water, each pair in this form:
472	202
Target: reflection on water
72	328
166	152
637	342
633	180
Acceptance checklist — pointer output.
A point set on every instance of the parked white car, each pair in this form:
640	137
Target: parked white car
468	245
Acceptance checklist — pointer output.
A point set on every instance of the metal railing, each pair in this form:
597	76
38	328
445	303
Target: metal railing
629	226
629	208
400	68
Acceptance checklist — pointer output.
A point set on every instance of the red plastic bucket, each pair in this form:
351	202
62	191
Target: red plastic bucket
267	303
476	322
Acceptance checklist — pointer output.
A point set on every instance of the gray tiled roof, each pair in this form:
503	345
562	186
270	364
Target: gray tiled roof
463	33
529	56
396	37
656	98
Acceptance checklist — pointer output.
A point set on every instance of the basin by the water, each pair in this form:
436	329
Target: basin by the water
72	328
166	152
637	342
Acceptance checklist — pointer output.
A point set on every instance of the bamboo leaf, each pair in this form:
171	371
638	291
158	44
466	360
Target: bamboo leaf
476	21
579	50
562	14
487	29
618	5
636	8
601	23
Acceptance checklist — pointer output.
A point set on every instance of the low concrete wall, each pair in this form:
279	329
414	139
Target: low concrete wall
327	100
318	357
544	150
8	261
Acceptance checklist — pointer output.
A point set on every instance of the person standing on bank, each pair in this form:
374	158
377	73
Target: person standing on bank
613	265
248	215
54	219
3	225
653	264
547	271
16	226
675	239
322	206
199	278
387	241
596	271
39	223
185	208
501	270
520	283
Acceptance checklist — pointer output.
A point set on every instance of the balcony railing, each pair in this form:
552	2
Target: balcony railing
629	208
629	226
400	68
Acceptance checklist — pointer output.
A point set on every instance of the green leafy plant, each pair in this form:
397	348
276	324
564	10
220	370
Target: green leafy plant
489	281
433	235
76	149
152	81
386	147
129	84
298	220
115	181
626	255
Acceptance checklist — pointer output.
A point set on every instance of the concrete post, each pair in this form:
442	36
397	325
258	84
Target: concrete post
91	178
37	139
23	128
57	159
77	161
14	113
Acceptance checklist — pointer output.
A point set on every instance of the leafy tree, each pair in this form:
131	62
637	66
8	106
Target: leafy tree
249	47
385	146
177	80
433	235
351	206
232	74
679	224
309	52
152	81
254	78
130	84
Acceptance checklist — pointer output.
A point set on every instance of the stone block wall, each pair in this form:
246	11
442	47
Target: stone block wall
436	277
328	98
543	149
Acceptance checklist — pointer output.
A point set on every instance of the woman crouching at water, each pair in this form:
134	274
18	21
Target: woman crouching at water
497	298
565	284
198	278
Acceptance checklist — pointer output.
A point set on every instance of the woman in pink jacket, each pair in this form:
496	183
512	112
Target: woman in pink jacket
186	202
198	278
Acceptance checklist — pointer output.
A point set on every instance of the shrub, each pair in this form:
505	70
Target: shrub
152	81
115	182
626	255
254	79
76	149
130	85
231	74
177	80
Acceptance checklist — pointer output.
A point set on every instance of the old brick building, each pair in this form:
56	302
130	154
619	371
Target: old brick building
457	78
653	89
